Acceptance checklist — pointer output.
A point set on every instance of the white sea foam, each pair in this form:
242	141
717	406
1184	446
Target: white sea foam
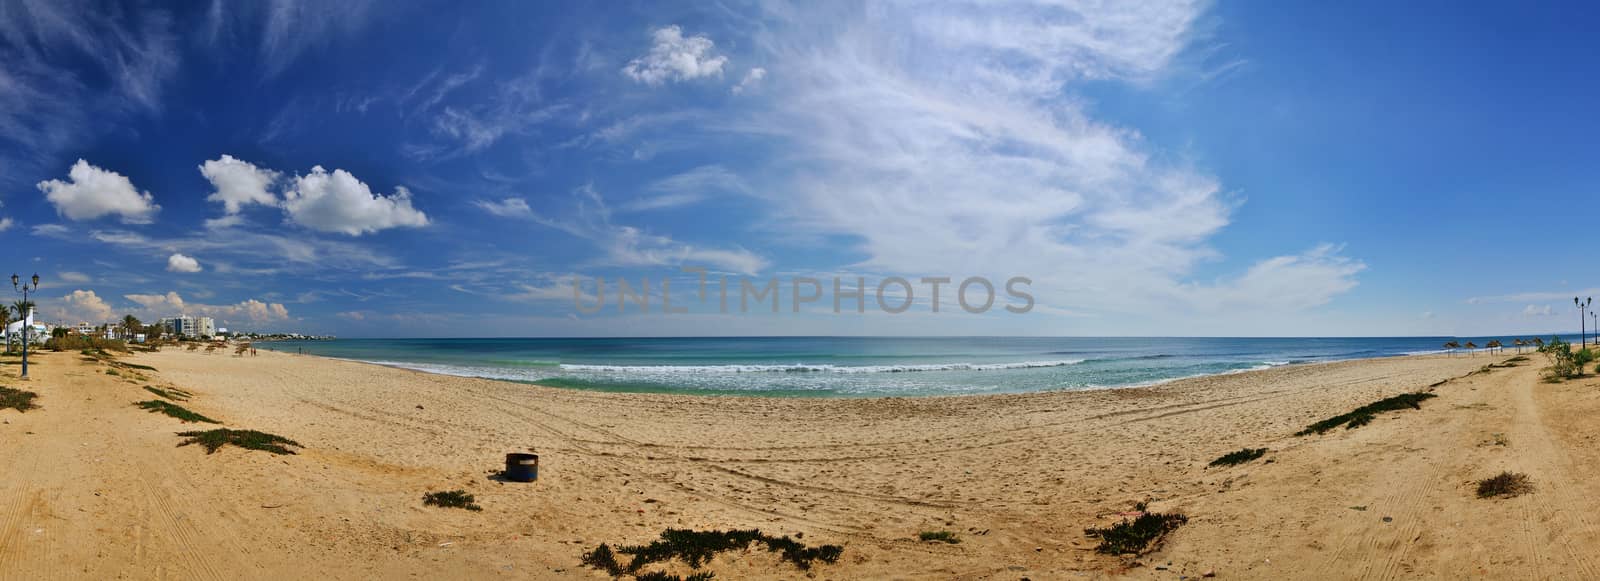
813	368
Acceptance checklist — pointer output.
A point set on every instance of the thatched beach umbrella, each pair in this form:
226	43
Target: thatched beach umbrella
1494	345
1519	343
1472	348
1452	346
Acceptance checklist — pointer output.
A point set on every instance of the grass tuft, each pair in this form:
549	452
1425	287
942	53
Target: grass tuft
17	399
939	536
1505	484
1136	535
1240	457
136	366
214	440
1363	415
696	548
174	410
451	499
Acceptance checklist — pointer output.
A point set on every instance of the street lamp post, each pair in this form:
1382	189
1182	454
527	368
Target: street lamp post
22	287
1583	332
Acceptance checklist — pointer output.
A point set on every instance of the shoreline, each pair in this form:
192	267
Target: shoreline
798	394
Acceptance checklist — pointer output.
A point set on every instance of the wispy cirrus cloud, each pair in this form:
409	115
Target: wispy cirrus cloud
945	138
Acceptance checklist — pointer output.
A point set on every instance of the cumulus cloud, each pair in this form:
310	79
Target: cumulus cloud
172	303
507	208
751	80
675	57
82	305
239	183
181	263
92	192
338	202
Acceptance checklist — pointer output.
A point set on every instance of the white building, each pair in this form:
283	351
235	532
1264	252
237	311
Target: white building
205	327
181	326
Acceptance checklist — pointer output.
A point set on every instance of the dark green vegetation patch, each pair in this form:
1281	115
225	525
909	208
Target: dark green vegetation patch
174	410
1239	457
1136	535
696	548
938	536
214	440
1363	415
17	399
452	499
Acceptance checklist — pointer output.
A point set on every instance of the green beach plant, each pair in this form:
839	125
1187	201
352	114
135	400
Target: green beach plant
939	536
213	440
174	410
1363	415
452	499
1137	535
696	548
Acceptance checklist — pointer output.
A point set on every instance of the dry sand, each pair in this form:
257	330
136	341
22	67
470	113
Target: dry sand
95	488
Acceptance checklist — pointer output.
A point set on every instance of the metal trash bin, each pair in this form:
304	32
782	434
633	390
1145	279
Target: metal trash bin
522	467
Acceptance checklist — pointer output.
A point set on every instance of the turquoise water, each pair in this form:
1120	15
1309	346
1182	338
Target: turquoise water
855	366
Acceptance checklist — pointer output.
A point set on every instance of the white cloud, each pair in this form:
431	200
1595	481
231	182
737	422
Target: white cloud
674	57
338	202
689	187
50	230
170	304
6	224
751	80
239	183
630	246
1537	311
94	192
73	277
82	305
507	208
1535	296
181	263
947	138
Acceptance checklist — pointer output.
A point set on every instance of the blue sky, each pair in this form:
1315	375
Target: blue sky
449	169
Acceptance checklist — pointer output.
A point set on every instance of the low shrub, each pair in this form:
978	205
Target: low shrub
214	440
1137	535
939	536
1363	415
174	410
451	499
696	548
16	399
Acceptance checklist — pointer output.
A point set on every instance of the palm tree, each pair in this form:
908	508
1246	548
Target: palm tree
5	321
130	325
22	308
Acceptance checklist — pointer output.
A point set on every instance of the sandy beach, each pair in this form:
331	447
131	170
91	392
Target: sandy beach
97	488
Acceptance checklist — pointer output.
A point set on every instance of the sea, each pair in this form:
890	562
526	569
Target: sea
857	366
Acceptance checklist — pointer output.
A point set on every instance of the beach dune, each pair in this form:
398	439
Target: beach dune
98	488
